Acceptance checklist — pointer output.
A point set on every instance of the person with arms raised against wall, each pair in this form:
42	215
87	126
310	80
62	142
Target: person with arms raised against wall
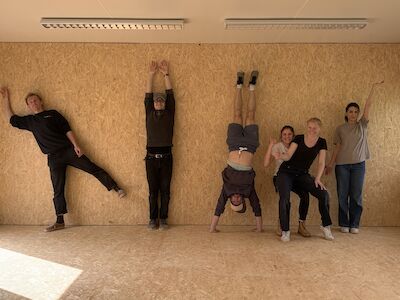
238	176
351	152
56	139
160	114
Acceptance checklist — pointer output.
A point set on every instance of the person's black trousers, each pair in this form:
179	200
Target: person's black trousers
159	174
58	163
285	182
304	199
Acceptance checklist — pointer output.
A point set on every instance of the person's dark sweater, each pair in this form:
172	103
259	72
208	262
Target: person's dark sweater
49	128
159	125
304	156
238	182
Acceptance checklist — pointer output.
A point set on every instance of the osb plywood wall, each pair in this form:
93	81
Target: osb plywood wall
100	89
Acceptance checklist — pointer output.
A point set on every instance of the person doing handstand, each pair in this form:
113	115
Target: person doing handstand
238	176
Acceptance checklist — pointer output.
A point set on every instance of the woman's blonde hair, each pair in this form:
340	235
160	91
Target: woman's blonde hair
315	120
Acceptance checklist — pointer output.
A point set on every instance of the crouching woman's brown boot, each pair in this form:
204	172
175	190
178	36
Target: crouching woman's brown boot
302	229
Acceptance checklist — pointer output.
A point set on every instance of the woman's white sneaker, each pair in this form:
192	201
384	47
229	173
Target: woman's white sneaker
345	229
354	230
285	237
326	230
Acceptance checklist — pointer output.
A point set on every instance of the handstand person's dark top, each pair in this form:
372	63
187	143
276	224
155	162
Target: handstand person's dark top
49	128
238	182
159	125
304	156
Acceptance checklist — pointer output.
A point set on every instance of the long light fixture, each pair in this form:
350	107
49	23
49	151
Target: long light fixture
112	23
294	23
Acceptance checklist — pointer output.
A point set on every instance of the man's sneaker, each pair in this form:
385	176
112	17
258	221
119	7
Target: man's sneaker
121	193
285	236
344	229
240	78
152	224
253	78
302	230
326	230
354	230
55	226
163	224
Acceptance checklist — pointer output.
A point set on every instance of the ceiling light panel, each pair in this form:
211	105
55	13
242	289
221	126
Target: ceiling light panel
118	24
299	24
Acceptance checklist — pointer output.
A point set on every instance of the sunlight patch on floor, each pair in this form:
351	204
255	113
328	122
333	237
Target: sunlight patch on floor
33	277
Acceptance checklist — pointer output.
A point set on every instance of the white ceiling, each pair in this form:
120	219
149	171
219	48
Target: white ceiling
204	20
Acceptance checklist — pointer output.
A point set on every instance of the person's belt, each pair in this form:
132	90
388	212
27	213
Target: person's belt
158	155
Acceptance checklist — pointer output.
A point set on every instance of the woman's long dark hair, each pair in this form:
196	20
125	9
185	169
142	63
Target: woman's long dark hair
351	104
287	127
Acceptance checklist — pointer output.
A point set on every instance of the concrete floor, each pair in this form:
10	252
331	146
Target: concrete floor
187	262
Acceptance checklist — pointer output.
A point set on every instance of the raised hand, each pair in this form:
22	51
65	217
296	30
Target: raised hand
375	84
369	101
4	92
163	67
153	67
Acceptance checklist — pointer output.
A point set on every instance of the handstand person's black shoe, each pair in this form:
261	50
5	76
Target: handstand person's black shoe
253	77
240	78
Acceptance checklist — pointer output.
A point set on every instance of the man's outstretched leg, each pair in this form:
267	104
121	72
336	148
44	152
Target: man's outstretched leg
85	164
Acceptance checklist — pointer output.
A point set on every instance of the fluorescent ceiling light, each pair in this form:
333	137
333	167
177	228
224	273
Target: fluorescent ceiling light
326	24
111	23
